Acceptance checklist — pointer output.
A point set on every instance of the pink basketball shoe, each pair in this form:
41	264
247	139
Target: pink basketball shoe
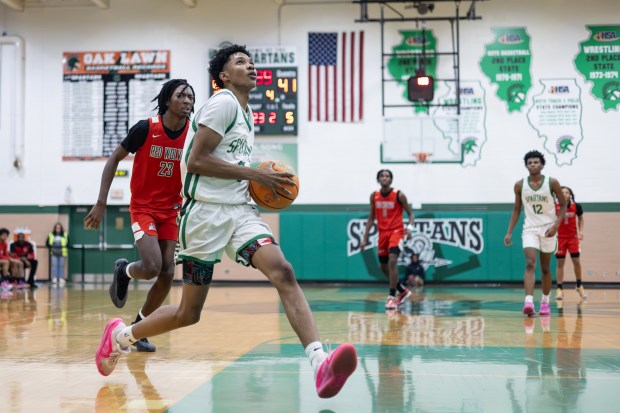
334	371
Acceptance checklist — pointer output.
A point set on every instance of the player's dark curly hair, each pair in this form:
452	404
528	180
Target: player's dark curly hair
385	170
572	194
534	154
165	94
4	231
216	65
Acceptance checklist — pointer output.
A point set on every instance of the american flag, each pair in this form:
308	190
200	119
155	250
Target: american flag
335	77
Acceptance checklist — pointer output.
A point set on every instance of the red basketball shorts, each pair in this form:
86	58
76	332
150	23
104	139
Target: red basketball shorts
160	224
570	245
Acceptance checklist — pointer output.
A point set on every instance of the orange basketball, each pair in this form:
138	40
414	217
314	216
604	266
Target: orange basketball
266	198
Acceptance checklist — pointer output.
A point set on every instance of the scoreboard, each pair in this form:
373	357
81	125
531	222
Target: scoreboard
274	101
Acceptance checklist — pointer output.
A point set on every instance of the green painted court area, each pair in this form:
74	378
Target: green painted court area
448	350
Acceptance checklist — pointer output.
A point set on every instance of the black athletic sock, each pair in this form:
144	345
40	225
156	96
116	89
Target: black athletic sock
393	292
400	287
560	286
578	283
138	318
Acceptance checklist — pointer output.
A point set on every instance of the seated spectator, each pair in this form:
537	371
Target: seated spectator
24	251
5	285
16	266
415	274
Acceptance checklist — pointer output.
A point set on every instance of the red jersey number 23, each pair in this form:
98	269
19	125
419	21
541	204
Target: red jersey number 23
165	169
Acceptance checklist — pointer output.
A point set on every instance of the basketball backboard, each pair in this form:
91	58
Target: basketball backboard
417	139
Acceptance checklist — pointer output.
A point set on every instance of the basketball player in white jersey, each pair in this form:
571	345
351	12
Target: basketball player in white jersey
537	194
217	218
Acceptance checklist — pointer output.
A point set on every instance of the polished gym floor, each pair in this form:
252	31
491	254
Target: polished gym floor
447	350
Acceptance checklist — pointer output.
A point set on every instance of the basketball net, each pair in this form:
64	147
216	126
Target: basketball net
422	157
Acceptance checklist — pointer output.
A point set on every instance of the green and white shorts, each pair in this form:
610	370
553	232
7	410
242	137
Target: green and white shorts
534	237
207	230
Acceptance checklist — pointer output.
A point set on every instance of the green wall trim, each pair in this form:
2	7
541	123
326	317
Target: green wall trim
29	209
64	209
600	207
587	207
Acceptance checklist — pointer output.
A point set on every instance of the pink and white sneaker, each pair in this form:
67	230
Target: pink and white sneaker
528	309
334	371
544	309
109	351
401	298
390	303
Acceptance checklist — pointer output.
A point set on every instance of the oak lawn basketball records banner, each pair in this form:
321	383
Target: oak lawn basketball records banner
104	94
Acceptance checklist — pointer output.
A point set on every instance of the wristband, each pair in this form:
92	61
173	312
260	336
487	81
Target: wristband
410	227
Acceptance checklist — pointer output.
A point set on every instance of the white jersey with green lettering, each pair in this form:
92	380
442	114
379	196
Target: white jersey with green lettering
223	114
538	204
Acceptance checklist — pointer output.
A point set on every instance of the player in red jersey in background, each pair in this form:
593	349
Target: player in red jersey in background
570	232
387	205
155	196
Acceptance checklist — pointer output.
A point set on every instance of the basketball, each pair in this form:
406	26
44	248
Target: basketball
265	197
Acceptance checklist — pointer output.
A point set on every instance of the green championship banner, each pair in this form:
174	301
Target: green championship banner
596	61
506	63
416	50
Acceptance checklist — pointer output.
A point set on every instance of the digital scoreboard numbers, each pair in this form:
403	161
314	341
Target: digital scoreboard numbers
274	101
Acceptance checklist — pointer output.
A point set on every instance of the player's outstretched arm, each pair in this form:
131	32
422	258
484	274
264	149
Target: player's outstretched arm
557	191
516	211
201	161
93	219
405	203
580	222
371	220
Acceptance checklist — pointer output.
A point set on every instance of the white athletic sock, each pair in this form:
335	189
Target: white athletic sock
315	353
529	299
125	337
127	270
545	299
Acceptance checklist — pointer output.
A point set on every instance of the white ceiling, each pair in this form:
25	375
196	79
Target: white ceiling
24	5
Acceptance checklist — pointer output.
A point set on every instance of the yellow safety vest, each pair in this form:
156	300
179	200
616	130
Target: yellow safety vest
64	241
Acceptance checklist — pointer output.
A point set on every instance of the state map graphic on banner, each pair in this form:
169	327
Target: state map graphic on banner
470	131
598	61
416	50
105	93
556	116
506	62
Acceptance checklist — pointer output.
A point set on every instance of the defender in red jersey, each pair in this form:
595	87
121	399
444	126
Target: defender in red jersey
387	205
570	232
155	196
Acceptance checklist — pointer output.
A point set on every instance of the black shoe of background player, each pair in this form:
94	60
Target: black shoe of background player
144	346
120	283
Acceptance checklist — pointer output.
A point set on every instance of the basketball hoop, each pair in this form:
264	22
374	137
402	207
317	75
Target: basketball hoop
422	157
